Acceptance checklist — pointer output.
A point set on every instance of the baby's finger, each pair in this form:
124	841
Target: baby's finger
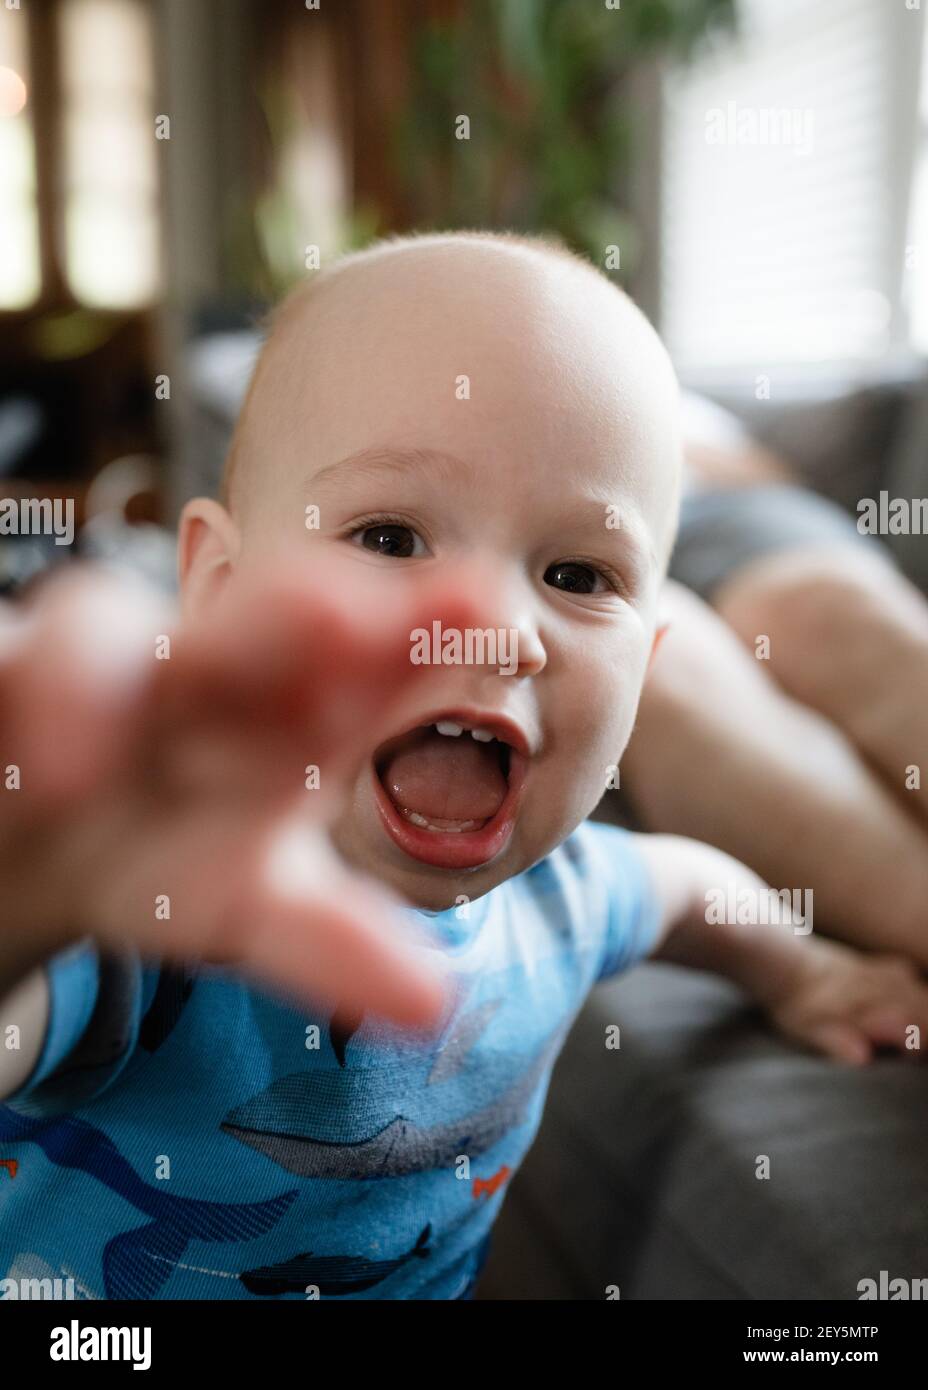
897	1027
338	939
841	1041
271	902
342	947
296	630
72	664
298	673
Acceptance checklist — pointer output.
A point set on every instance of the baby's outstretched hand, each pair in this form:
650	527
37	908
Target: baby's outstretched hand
162	792
846	1004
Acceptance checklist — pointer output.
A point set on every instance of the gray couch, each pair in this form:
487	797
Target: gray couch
643	1175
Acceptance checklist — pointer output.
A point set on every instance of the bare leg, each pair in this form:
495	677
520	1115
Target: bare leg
721	753
848	637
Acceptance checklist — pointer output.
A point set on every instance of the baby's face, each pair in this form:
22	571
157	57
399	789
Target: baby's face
470	403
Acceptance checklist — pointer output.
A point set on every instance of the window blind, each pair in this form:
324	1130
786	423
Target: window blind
784	185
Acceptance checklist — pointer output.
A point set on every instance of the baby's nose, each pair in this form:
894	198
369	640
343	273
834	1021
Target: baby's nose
501	607
524	649
519	643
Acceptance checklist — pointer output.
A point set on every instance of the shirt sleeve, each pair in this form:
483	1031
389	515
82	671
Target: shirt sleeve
93	1020
631	907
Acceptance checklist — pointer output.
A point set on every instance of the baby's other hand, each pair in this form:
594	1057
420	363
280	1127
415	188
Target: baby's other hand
846	1004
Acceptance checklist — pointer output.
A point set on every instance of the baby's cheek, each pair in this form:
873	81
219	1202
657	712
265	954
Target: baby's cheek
591	761
611	687
608	720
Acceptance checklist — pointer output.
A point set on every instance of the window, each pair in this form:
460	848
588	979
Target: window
98	209
787	154
19	228
916	262
109	153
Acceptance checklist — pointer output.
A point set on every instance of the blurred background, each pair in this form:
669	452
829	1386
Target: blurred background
755	172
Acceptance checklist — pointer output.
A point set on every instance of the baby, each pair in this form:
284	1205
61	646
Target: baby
301	900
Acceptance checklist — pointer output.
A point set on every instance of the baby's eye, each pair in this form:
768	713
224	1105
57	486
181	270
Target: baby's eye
574	578
390	538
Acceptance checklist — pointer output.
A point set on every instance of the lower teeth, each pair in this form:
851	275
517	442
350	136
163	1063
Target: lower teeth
453	829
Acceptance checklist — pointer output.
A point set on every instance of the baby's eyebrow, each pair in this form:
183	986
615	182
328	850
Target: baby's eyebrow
622	525
385	460
589	512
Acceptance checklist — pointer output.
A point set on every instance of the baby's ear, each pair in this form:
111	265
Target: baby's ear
207	545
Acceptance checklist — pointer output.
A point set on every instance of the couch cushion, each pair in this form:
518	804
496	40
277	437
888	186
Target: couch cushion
643	1175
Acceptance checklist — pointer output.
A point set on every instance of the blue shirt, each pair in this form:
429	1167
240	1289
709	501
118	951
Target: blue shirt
185	1135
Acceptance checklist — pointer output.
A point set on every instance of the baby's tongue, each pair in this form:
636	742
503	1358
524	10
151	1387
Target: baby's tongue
447	779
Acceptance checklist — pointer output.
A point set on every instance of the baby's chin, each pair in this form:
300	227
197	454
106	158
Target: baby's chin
361	841
419	885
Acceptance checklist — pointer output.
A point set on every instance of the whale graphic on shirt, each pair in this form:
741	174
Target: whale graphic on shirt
138	1262
333	1275
324	1124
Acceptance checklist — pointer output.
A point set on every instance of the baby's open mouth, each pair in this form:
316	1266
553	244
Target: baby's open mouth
447	790
446	777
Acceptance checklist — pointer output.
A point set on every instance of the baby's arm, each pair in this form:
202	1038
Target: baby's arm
823	994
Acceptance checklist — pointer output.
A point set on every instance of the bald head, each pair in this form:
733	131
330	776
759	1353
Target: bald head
483	340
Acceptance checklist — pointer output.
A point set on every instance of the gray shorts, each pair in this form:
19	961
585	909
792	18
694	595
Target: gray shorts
721	530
